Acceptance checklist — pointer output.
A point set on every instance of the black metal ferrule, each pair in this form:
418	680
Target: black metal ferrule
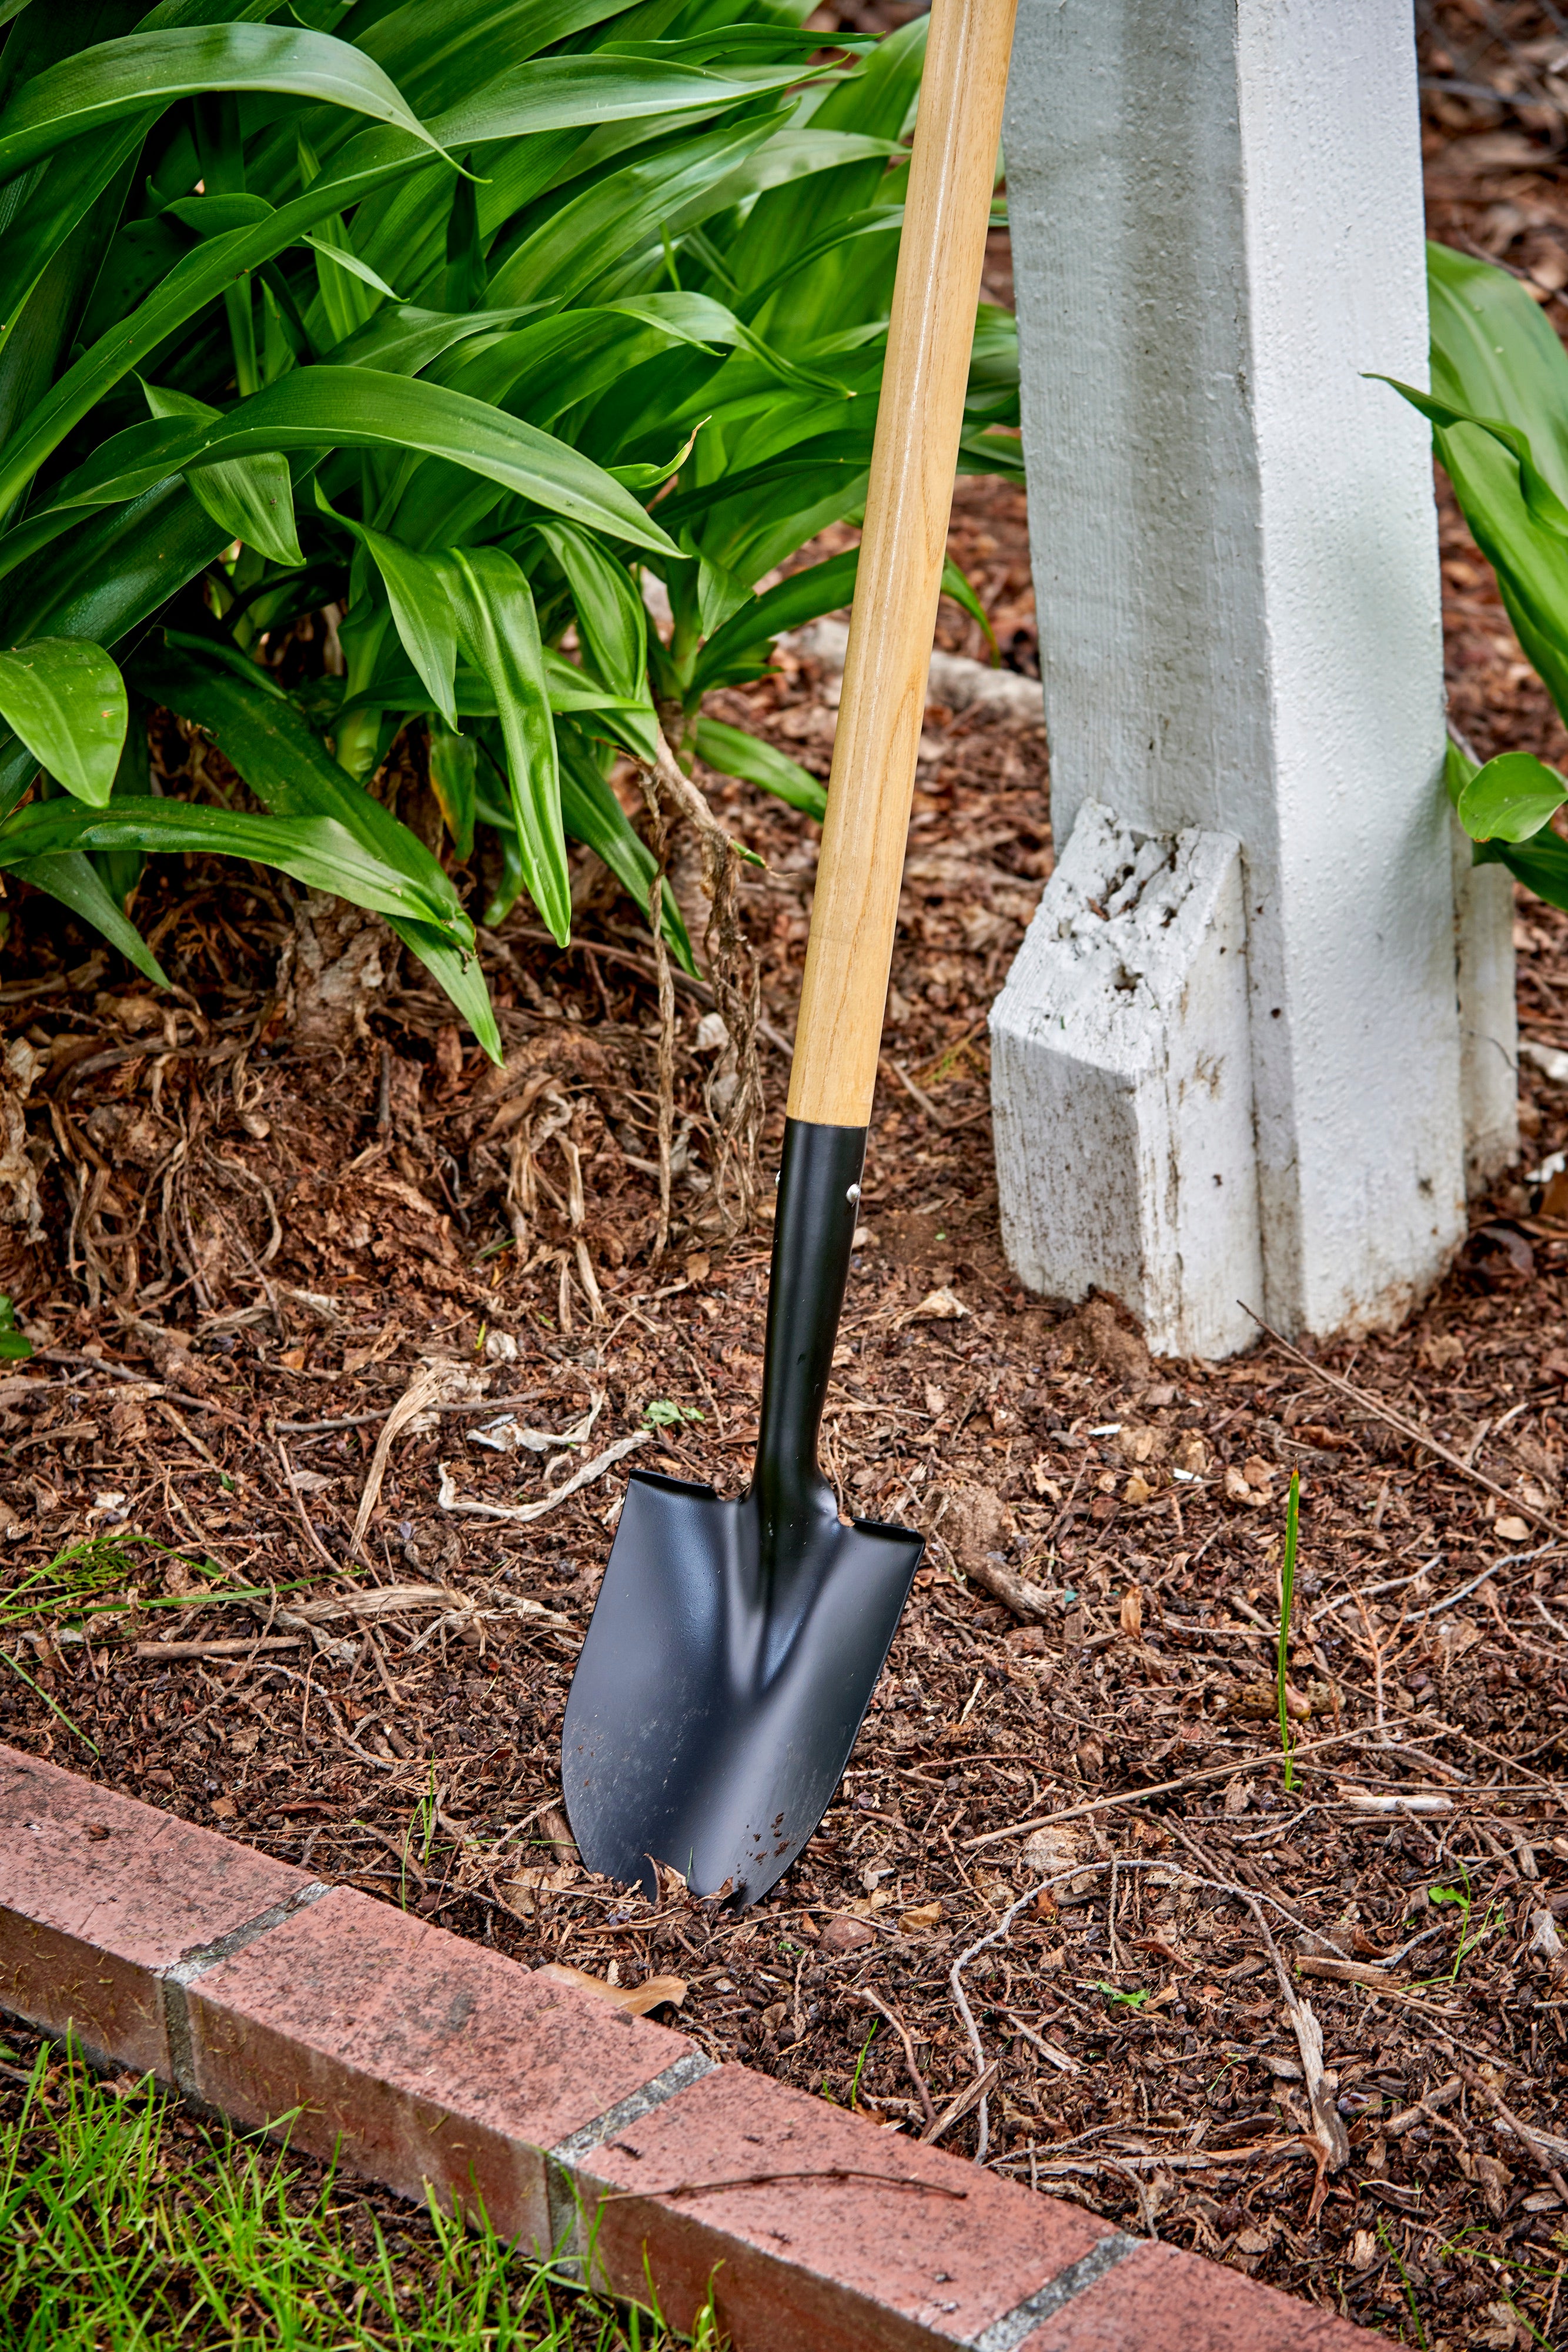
814	1233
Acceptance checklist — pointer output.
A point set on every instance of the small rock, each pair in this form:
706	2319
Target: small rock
843	1934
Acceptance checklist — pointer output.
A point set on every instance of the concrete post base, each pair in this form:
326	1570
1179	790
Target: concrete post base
1123	1086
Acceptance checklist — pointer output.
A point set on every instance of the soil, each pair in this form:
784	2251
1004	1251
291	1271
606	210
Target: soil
245	1259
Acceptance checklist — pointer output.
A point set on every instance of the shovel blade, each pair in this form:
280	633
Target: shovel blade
715	1701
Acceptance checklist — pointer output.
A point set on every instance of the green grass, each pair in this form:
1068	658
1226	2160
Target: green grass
127	2227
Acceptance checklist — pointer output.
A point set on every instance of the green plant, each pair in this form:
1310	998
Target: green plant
1282	1648
89	1582
432	326
1499	409
1406	2288
123	2226
1124	2000
14	1344
664	1414
1463	1900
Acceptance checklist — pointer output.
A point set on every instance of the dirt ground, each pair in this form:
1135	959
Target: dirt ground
245	1262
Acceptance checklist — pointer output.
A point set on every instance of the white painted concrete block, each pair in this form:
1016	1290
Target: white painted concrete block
1489	1014
1216	230
1123	1085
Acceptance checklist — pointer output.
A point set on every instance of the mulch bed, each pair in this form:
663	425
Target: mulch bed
246	1261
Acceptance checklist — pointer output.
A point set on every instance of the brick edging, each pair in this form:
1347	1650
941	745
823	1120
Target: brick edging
422	2059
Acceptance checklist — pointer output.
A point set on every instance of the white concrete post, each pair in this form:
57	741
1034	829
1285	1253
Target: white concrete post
1217	228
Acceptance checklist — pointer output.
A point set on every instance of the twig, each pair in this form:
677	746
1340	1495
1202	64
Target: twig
1330	2146
1545	2146
294	1497
1048	2050
240	1646
954	1976
1164	1788
1376	1662
766	2179
1417	1436
899	2027
363	1420
974	2094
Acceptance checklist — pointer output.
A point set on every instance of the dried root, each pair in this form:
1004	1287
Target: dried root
733	1092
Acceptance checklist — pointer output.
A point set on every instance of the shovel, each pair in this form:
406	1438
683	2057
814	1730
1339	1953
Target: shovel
735	1646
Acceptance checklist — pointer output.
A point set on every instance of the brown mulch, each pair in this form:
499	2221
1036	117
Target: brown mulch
246	1260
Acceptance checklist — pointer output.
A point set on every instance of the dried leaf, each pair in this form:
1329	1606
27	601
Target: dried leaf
939	1306
920	1919
637	2000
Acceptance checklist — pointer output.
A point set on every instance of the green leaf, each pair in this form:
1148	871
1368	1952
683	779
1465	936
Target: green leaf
592	815
405	340
250	498
343	257
1541	864
1510	798
1545	506
453	758
611	618
14	1344
1494	352
265	736
66	699
147	69
77	883
501	634
1457	770
955	584
734	754
803	597
421	609
316	850
359	408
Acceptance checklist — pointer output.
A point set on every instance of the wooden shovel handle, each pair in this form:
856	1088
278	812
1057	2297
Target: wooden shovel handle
908	502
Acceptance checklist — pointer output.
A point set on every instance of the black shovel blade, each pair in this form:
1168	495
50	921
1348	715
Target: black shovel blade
715	1704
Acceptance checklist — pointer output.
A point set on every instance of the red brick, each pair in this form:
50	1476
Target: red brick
821	2264
419	2056
1161	2300
89	1920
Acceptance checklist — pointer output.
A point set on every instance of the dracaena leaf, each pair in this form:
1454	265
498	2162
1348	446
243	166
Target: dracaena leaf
421	609
94	87
453	758
611	618
66	699
264	735
500	635
317	851
734	754
250	498
358	408
593	815
76	882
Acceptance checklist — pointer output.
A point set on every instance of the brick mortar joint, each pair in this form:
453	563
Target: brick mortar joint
193	1965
